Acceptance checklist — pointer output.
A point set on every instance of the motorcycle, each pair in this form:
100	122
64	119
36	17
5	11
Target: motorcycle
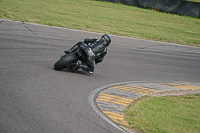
83	55
71	61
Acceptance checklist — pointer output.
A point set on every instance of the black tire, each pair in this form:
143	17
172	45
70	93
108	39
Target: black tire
66	59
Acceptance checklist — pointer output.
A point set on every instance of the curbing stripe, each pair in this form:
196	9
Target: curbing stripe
181	86
116	117
111	101
136	89
115	97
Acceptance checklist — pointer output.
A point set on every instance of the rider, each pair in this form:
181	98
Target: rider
94	51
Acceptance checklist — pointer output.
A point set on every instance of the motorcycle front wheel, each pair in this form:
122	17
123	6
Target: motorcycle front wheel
64	61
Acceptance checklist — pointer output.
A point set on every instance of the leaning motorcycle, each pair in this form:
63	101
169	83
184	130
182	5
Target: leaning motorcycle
83	56
70	61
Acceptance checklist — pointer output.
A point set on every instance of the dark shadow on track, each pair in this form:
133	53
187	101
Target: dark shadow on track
74	71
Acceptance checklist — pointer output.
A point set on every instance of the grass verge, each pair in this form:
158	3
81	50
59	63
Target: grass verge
105	17
175	114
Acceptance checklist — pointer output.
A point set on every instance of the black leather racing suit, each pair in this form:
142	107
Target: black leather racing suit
99	48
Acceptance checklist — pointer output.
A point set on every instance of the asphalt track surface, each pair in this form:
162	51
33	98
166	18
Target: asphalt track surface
35	98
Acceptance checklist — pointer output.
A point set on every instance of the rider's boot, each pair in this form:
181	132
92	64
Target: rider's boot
86	68
73	49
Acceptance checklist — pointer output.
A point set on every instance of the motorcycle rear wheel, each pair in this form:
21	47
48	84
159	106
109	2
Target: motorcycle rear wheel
64	61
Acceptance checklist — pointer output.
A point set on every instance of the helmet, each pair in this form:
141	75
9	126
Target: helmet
107	38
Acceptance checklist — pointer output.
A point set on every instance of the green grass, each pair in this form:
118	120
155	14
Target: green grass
105	17
175	114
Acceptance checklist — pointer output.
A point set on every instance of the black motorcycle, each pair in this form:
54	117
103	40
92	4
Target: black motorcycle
83	55
75	60
69	61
